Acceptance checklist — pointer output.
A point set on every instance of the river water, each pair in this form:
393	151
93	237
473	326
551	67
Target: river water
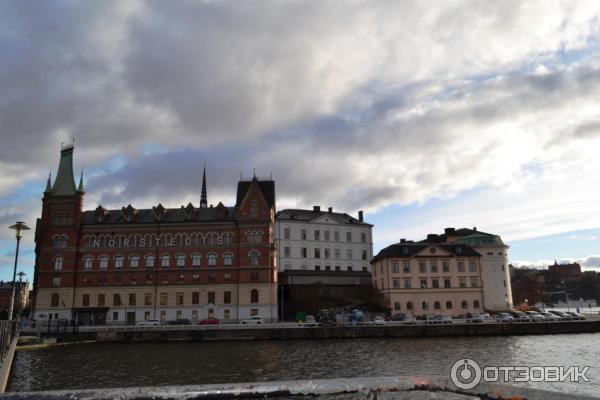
145	364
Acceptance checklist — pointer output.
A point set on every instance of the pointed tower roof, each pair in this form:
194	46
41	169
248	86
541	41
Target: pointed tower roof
64	184
203	198
80	188
49	184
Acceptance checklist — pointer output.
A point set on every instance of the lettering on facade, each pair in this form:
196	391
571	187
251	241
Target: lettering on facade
194	239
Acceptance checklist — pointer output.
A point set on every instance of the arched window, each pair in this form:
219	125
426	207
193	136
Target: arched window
64	239
165	260
58	263
227	259
396	306
476	304
254	296
181	260
56	242
119	261
212	259
134	261
437	305
464	304
253	209
424	305
150	260
448	305
254	257
68	218
88	262
103	262
54	300
196	260
409	305
85	300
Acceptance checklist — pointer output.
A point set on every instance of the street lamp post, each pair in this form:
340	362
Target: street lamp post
19	227
20	296
281	303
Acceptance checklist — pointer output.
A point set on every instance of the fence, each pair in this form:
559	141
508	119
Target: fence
8	330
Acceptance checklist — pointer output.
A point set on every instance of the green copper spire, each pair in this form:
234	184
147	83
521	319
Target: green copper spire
64	184
49	183
80	187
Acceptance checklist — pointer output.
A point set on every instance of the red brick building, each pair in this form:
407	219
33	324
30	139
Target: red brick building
121	266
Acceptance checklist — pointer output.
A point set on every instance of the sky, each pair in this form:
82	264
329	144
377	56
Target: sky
424	114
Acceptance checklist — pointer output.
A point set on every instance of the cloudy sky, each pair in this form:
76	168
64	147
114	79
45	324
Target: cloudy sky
423	114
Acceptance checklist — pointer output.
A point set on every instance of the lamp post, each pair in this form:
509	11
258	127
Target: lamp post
21	274
281	304
19	227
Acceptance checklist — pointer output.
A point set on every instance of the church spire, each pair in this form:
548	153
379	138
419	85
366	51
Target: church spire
203	199
64	184
80	187
49	183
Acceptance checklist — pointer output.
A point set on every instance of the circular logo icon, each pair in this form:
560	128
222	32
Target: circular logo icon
465	373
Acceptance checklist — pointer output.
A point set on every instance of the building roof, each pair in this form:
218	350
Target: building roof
148	216
267	188
409	249
64	184
293	214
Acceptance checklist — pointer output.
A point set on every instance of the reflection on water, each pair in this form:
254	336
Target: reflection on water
147	364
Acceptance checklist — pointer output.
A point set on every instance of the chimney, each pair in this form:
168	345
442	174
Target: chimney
448	230
317	208
475	228
402	240
330	209
360	216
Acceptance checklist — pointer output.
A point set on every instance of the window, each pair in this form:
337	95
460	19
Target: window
103	262
253	276
149	279
447	283
164	299
56	281
461	266
406	267
425	305
287	252
476	304
337	254
348	237
147	299
434	267
150	260
303	252
395	267
227	297
326	235
58	263
102	280
396	283
179	299
181	260
254	258
253	311
195	260
317	235
472	266
165	260
407	283
349	254
134	261
422	267
396	306
328	268
423	283
253	209
195	297
448	305
445	266
254	296
196	279
474	281
227	259
364	254
336	236
87	280
363	237
462	282
327	253
56	242
435	283
180	279
132	299
364	268
254	236
212	278
54	300
437	305
464	304
116	300
133	280
409	305
115	316
350	268
226	314
85	300
212	259
337	268
194	315
211	297
317	267
303	234
119	261
147	315
286	233
227	277
88	262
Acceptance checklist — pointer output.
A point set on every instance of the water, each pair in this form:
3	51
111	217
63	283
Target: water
146	364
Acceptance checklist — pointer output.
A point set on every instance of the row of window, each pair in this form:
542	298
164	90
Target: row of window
326	235
180	299
436	305
62	218
148	279
287	252
165	260
435	283
349	268
433	267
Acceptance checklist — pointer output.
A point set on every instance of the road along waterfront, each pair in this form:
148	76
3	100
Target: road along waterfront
146	364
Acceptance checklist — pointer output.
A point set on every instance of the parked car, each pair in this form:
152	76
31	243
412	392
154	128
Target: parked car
563	315
576	316
179	321
520	316
254	320
379	320
209	321
442	319
310	320
548	316
474	318
535	316
485	315
505	318
403	318
149	322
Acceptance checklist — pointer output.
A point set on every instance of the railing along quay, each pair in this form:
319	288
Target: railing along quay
8	330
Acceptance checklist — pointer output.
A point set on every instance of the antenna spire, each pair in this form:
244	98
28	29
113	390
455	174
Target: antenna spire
203	197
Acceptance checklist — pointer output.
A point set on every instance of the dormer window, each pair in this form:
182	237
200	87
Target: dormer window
189	211
253	209
221	211
129	213
101	213
159	212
